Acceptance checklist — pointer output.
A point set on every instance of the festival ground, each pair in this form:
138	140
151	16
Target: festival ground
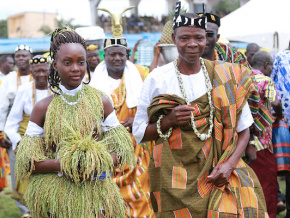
8	208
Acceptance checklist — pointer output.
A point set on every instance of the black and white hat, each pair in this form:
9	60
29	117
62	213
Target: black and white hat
23	47
181	20
110	42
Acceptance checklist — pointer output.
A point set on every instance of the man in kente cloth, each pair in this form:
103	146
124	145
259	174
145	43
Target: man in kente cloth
197	112
261	146
215	50
122	81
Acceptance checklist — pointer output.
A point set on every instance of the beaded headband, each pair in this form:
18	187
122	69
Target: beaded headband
38	60
181	20
110	42
92	47
23	47
212	18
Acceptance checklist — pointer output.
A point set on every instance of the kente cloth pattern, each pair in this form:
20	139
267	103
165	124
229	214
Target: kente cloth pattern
281	76
3	171
85	199
228	54
179	166
262	117
268	94
134	183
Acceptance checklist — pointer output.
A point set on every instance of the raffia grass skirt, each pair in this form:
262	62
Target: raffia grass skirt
63	198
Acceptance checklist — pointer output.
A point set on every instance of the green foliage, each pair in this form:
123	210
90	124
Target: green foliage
225	7
45	29
62	22
3	29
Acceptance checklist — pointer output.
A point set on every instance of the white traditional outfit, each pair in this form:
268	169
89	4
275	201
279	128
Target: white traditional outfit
2	75
133	183
163	80
26	97
8	90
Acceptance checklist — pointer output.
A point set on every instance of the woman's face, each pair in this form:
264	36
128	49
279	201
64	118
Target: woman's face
70	62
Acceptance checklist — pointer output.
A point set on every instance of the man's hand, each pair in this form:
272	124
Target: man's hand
5	144
128	122
251	154
180	115
136	45
157	49
277	107
220	175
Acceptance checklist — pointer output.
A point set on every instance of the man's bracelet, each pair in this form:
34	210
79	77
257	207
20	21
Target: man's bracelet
159	131
252	142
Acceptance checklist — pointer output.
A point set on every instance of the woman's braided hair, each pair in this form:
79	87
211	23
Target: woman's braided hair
60	36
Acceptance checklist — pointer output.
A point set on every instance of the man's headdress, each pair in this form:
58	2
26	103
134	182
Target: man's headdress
38	60
211	18
117	30
181	20
23	47
110	42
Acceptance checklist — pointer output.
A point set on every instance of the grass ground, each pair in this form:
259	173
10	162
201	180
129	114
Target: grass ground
8	208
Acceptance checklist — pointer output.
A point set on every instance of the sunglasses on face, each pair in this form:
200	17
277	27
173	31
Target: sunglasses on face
210	34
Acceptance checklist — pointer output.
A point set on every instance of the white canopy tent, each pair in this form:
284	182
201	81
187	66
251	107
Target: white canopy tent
265	22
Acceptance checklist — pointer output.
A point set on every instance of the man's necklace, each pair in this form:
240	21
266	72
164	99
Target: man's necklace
34	100
202	136
19	79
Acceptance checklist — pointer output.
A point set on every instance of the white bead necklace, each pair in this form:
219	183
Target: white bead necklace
202	136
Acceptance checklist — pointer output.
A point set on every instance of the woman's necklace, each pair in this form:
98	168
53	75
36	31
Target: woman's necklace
71	99
202	136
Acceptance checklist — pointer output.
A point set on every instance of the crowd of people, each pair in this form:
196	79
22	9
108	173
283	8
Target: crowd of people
188	138
135	24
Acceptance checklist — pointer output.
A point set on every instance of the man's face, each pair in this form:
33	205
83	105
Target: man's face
115	58
8	65
22	58
93	58
190	42
40	73
250	53
212	37
268	68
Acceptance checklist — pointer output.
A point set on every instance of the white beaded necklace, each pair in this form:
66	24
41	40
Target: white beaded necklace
202	136
71	99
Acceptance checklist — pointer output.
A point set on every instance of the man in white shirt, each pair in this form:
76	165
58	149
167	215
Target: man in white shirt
8	90
6	66
197	113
